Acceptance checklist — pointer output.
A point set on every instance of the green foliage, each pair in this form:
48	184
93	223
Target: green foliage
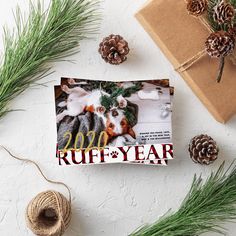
130	116
233	2
206	207
117	92
133	89
211	5
114	90
106	102
115	87
109	86
215	26
45	37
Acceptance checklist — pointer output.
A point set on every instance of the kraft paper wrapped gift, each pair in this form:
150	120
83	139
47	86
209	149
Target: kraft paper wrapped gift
180	37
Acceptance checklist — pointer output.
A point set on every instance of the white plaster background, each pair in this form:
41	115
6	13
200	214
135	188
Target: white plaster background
109	199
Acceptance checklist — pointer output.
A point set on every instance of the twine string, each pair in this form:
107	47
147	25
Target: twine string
205	23
49	213
39	169
188	63
59	210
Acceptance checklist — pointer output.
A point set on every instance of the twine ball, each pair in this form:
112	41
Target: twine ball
48	214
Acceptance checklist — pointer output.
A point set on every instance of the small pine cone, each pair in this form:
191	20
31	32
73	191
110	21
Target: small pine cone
220	44
223	13
196	7
114	49
203	149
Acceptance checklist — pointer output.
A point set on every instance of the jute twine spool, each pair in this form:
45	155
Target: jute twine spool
49	213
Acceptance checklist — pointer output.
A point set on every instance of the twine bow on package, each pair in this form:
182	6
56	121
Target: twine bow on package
114	122
190	45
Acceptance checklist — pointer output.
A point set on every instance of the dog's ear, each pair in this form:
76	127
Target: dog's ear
131	133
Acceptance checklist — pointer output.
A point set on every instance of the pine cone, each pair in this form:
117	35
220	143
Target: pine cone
203	149
220	44
114	49
223	13
196	7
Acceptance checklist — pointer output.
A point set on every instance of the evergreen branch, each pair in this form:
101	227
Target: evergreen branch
133	89
233	2
130	116
114	90
205	208
107	102
215	26
210	10
43	38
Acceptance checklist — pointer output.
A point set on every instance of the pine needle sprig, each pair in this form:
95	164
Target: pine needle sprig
44	37
205	208
233	2
214	25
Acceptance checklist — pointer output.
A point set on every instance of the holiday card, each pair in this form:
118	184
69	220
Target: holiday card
113	122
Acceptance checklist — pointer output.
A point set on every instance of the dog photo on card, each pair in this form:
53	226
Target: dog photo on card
109	122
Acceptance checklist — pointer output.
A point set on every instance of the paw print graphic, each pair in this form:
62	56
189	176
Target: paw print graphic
114	154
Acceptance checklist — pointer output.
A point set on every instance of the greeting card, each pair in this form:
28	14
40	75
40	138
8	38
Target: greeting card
113	122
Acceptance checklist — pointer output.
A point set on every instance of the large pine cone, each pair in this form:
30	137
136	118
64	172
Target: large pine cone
196	7
223	13
203	149
114	49
220	44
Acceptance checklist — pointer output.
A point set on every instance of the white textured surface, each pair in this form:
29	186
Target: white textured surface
112	199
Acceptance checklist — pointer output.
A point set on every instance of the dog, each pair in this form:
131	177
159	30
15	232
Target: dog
80	100
116	124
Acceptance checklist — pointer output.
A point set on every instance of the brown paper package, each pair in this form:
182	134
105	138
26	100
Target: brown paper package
181	36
